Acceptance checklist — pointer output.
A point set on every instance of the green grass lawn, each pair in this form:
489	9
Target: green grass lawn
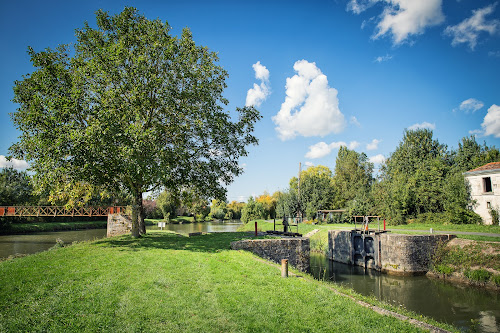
164	282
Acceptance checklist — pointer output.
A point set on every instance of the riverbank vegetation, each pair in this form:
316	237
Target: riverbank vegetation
469	261
166	282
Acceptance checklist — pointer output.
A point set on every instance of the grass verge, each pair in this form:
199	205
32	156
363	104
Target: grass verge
168	283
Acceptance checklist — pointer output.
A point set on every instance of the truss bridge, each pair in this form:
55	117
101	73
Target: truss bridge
61	211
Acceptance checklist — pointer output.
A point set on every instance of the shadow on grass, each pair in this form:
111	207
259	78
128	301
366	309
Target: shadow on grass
214	242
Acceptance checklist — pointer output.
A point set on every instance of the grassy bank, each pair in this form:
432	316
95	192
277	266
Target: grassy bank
165	282
474	262
24	228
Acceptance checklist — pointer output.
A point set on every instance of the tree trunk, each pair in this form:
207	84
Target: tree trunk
140	213
135	220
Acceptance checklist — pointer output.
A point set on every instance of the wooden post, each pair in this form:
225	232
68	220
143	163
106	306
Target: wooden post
255	228
284	268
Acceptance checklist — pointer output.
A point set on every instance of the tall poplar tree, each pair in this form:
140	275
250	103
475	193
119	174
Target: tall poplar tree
132	107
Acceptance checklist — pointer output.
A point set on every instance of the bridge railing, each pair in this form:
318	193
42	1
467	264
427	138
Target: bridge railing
62	211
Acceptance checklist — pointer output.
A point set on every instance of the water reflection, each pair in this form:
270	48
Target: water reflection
42	241
216	226
465	307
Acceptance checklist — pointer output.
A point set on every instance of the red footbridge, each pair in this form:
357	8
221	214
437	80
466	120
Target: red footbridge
61	211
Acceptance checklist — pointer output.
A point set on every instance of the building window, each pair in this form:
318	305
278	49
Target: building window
488	205
487	184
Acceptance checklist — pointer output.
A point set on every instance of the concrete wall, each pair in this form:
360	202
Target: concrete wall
482	198
296	250
395	254
118	224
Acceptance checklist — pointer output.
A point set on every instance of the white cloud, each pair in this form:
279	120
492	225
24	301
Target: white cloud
476	132
380	59
322	149
403	18
494	54
319	150
359	6
491	122
377	159
470	105
373	145
311	107
14	163
353	120
309	164
259	93
422	125
468	30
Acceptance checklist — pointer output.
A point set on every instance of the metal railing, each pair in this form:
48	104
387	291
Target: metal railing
62	211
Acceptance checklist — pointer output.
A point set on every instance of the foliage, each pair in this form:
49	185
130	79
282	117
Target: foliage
253	210
495	215
130	107
218	209
316	191
234	210
15	188
151	211
353	176
478	275
168	202
269	204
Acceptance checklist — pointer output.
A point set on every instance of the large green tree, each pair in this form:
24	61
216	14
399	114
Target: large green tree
130	107
15	188
353	175
316	190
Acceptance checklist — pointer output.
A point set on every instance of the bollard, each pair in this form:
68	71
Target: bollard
284	268
431	230
384	224
255	228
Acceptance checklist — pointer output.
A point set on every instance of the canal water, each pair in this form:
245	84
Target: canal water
470	309
42	241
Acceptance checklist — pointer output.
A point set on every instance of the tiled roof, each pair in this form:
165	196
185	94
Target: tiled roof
489	166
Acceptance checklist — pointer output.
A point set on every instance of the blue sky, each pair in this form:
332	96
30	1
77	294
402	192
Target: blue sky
322	73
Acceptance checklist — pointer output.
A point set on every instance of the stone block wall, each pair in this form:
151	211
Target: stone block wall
397	254
408	254
339	246
296	250
118	224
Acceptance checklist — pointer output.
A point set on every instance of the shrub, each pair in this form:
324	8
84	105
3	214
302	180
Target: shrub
444	269
496	279
479	275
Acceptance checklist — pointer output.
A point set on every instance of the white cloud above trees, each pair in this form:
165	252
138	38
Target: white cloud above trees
322	149
377	159
259	92
373	145
468	31
422	126
14	163
311	106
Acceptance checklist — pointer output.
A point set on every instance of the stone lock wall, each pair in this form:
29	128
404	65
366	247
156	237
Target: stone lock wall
412	254
395	254
296	250
118	224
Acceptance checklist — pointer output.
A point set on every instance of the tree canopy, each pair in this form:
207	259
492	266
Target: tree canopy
130	107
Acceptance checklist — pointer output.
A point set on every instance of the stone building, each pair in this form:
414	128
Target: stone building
485	189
